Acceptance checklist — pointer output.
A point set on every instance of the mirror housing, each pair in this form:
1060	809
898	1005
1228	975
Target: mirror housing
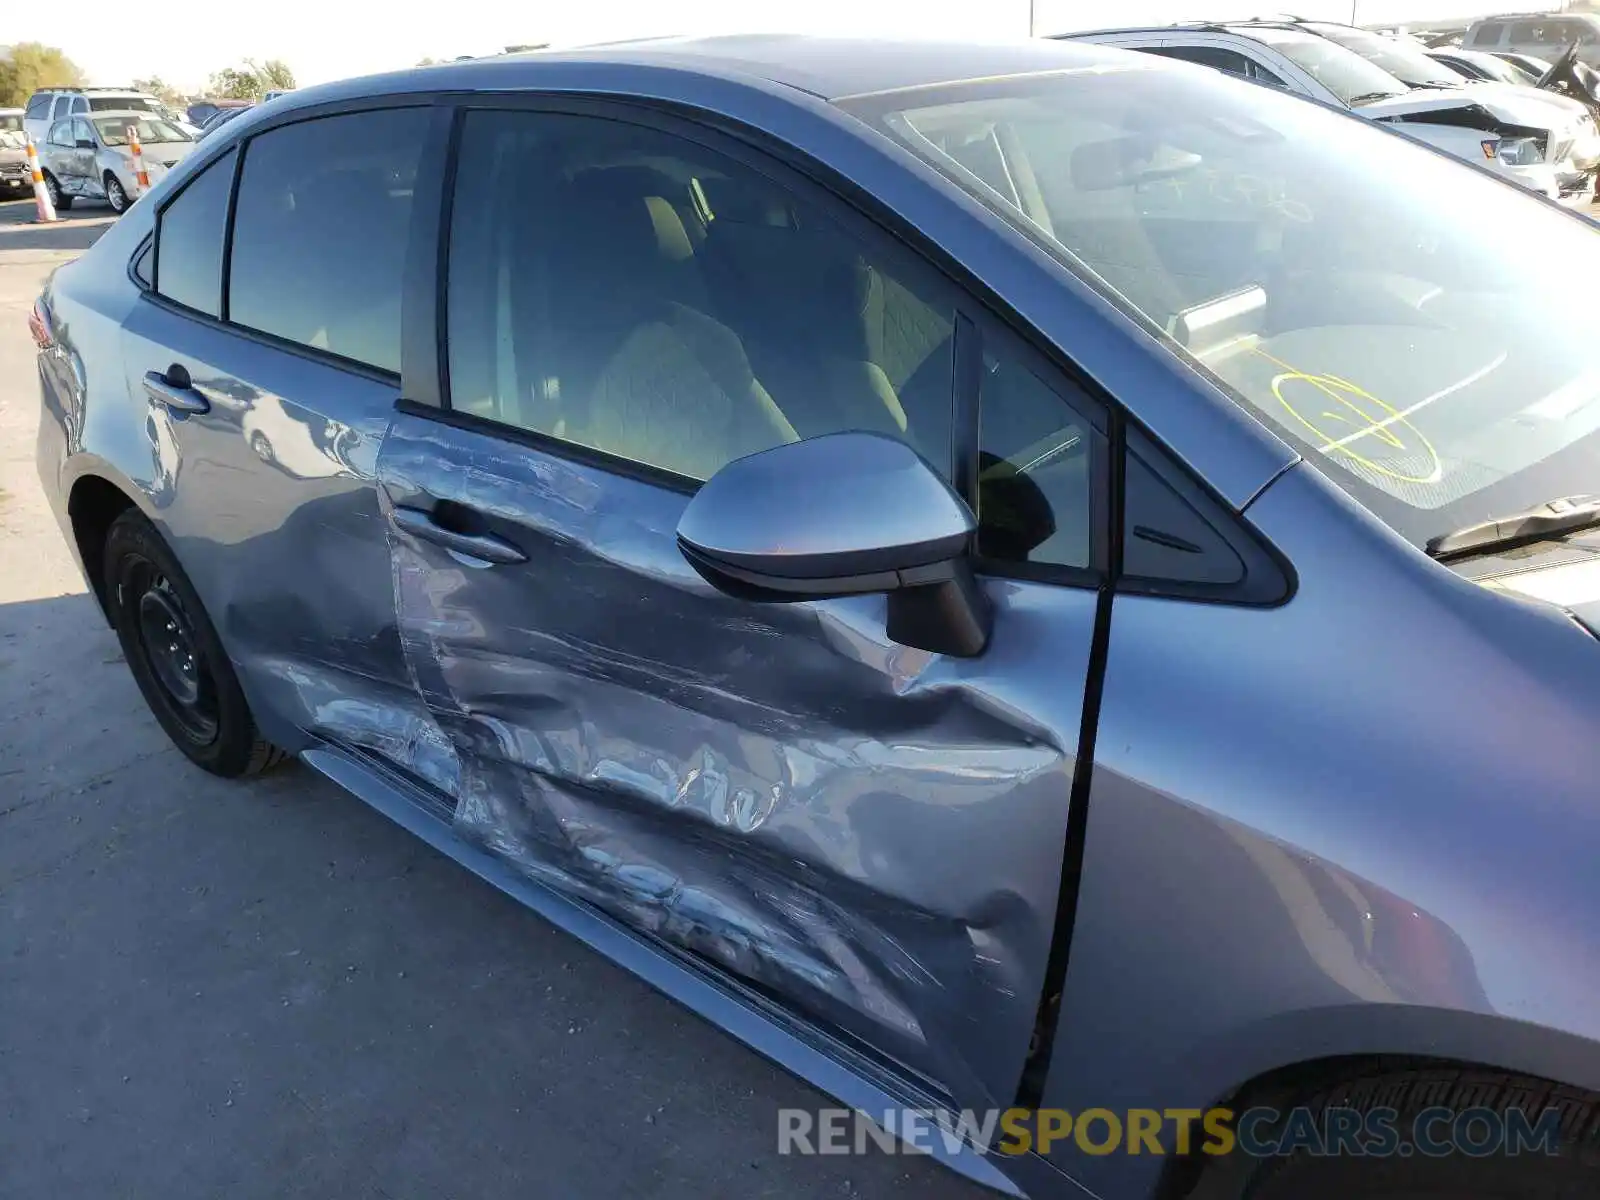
845	514
85	144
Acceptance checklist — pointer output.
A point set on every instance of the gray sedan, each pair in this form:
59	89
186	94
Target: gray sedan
1050	591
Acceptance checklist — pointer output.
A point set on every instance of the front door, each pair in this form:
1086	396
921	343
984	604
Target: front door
59	156
85	172
871	833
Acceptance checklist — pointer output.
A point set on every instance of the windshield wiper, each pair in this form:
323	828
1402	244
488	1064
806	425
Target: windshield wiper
1369	97
1565	515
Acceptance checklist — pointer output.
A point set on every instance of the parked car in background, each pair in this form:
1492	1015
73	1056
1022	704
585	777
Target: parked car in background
49	105
1542	35
202	111
1511	133
1007	576
14	175
1567	128
1529	65
1480	65
274	94
221	117
91	158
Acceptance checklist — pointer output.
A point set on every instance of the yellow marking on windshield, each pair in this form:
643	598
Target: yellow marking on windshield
1355	406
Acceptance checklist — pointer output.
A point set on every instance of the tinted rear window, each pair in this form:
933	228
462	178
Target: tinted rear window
320	232
120	104
190	236
1488	35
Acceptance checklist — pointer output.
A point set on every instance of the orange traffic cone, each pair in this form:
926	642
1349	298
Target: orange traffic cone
140	175
43	210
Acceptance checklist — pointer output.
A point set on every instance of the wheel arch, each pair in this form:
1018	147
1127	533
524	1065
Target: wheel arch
93	503
1289	1052
1467	1042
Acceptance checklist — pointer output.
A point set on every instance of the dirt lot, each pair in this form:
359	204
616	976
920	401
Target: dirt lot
267	990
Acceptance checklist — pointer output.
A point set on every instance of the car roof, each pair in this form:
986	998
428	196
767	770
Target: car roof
1246	29
830	68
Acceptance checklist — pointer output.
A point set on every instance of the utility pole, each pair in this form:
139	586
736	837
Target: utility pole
1030	18
1353	11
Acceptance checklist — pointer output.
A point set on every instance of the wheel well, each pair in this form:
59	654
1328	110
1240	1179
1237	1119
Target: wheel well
1181	1174
93	505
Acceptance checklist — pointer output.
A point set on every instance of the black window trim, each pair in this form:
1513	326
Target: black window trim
426	183
910	258
977	310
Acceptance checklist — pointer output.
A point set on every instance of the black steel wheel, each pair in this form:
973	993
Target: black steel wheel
175	654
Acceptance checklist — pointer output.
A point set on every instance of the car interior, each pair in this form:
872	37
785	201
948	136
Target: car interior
668	280
681	313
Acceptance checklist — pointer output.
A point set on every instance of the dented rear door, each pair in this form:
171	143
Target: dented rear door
871	834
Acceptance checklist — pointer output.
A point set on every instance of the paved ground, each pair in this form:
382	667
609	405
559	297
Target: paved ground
267	990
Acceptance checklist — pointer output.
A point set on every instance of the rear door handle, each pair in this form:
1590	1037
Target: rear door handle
172	397
486	546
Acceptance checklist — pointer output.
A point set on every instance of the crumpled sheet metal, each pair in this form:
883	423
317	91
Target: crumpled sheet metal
872	832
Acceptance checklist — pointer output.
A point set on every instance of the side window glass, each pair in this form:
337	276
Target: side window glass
338	192
1262	75
60	134
1036	476
1488	35
633	292
79	104
189	236
38	107
1210	56
63	105
81	131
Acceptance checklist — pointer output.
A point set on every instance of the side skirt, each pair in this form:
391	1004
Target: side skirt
825	1062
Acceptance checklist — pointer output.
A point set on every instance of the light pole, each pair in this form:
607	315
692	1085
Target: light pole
1030	18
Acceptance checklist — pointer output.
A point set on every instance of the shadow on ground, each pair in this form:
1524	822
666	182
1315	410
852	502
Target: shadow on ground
266	989
75	230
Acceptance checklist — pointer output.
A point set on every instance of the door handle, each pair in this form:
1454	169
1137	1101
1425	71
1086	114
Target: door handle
486	546
174	398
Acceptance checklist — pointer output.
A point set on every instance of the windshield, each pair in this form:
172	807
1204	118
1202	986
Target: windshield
121	104
1302	258
10	122
114	130
1497	69
1347	75
1410	65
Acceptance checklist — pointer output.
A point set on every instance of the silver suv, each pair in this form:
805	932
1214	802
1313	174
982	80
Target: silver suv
1543	36
49	105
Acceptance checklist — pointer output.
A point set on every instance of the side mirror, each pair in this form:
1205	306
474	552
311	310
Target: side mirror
843	515
85	144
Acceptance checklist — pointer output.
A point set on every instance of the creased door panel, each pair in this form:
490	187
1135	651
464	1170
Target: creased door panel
872	832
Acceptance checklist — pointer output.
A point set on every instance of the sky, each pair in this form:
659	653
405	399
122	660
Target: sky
332	39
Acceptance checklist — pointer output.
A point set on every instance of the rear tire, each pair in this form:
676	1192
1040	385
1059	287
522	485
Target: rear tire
176	656
59	200
1570	1174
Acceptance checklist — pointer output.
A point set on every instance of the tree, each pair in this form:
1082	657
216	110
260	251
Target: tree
32	66
251	80
161	90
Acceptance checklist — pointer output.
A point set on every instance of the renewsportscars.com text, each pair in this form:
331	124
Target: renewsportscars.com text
1258	1132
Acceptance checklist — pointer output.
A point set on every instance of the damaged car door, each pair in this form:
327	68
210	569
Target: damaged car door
869	833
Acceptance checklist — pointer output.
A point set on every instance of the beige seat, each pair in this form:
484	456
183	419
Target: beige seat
643	371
